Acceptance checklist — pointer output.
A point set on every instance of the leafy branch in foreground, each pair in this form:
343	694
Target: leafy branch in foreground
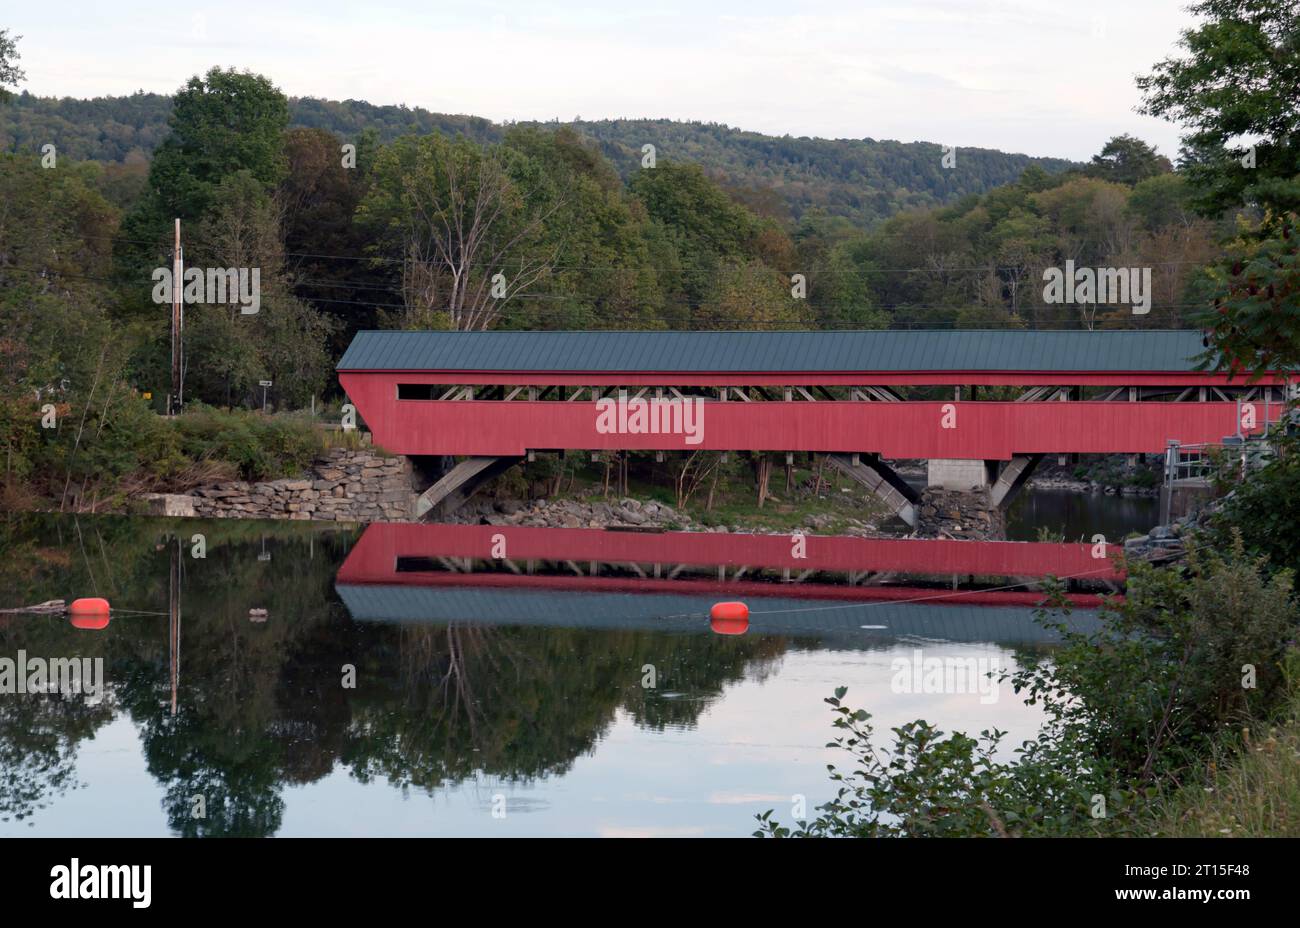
1133	709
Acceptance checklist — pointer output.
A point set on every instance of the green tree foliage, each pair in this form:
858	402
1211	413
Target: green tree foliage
683	197
980	262
749	295
604	275
221	124
720	247
10	73
1265	509
1254	325
865	180
56	346
230	352
125	130
320	197
468	222
1235	94
1128	160
223	171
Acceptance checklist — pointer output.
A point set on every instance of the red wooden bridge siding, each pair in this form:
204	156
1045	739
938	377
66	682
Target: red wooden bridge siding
991	431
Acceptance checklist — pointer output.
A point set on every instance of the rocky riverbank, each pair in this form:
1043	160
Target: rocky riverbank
1091	486
630	514
365	486
1165	542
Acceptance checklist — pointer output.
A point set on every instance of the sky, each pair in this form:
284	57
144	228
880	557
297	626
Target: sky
1043	77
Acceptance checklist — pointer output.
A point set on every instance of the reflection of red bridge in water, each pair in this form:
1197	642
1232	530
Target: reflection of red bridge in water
714	563
862	398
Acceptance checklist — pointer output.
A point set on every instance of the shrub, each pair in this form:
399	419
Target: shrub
1265	509
260	447
1131	708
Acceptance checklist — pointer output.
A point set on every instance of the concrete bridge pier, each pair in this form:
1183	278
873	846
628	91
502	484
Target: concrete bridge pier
967	498
963	498
1003	479
960	473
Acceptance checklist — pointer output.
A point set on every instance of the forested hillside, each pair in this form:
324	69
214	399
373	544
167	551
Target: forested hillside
528	227
864	180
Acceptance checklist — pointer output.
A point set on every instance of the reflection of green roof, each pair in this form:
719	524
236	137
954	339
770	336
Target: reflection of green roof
761	352
686	612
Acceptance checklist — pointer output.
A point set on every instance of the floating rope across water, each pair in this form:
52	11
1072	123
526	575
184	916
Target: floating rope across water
60	607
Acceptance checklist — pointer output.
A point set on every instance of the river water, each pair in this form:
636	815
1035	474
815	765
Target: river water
1080	515
285	696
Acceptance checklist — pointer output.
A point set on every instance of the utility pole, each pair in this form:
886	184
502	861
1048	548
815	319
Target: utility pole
178	320
174	624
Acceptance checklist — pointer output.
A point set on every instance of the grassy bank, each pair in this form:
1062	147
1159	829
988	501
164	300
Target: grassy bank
1250	785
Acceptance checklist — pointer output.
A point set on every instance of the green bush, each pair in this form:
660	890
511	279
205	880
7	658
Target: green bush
1131	709
1265	509
260	447
1143	478
100	445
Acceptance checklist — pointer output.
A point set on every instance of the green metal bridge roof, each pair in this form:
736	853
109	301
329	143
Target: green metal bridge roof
764	352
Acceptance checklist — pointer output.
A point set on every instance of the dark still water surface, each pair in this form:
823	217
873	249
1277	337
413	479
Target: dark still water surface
1080	515
301	693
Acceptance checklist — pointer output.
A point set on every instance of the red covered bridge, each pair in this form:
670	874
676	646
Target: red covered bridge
981	406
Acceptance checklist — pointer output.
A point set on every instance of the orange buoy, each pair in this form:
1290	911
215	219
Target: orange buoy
729	611
729	618
90	613
92	623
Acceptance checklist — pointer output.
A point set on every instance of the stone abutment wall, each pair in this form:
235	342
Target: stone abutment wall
345	486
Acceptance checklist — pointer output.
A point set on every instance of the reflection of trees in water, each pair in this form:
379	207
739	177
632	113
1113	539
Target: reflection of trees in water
237	802
246	725
463	663
525	702
39	735
696	677
456	700
41	559
262	705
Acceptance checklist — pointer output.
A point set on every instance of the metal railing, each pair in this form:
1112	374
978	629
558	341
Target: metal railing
1199	465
